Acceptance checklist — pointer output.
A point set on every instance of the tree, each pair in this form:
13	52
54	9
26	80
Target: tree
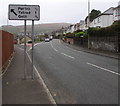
94	13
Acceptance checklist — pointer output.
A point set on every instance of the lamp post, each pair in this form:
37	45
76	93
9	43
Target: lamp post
88	22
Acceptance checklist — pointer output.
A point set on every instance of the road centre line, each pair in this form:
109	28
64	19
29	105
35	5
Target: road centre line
53	47
51	44
102	68
68	55
44	85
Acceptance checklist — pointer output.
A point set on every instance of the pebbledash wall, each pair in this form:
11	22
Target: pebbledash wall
105	43
6	47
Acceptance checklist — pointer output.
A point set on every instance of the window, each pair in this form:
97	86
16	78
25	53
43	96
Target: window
94	22
116	13
99	20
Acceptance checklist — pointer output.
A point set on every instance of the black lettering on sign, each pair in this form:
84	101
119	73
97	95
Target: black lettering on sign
24	12
27	8
22	16
20	8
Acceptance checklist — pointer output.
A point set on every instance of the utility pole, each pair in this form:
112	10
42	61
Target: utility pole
88	23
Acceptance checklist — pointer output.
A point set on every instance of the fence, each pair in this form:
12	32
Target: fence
6	47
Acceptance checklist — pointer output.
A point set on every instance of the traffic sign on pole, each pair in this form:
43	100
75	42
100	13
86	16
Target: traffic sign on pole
24	12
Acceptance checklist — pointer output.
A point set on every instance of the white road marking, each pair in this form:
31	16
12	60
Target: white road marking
103	68
34	46
42	81
59	41
51	44
68	55
53	47
29	49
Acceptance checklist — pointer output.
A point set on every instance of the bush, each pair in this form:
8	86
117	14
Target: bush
79	34
112	30
69	35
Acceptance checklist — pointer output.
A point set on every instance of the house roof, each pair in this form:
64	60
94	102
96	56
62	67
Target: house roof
117	7
107	12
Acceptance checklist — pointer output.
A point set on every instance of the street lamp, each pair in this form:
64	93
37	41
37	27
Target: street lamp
88	22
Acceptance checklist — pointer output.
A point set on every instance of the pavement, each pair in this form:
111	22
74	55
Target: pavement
97	52
16	89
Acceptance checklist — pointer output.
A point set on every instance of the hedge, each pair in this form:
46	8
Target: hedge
112	30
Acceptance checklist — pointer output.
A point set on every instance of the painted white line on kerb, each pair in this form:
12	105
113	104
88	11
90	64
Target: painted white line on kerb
44	85
103	68
68	55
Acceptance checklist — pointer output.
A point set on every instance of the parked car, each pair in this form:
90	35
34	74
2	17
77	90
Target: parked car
47	39
30	41
15	41
51	37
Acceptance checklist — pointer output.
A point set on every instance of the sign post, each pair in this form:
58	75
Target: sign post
24	49
33	49
25	12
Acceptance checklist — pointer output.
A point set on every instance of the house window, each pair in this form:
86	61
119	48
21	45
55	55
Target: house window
98	20
116	12
94	22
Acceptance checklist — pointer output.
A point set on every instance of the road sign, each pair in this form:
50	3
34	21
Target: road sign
24	12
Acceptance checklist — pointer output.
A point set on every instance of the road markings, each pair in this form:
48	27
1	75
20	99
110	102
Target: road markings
44	85
34	46
29	49
53	47
68	55
102	68
51	44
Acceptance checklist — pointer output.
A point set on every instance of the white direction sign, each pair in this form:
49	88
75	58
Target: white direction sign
24	12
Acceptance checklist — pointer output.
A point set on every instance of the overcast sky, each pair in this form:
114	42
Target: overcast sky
56	11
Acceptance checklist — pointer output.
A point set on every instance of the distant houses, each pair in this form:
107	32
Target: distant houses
116	12
104	19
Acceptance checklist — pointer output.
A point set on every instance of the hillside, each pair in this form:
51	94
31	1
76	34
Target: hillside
39	28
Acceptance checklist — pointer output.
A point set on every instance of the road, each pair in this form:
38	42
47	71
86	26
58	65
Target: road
77	77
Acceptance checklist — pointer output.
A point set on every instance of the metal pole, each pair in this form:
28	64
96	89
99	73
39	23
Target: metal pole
24	49
88	22
33	49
